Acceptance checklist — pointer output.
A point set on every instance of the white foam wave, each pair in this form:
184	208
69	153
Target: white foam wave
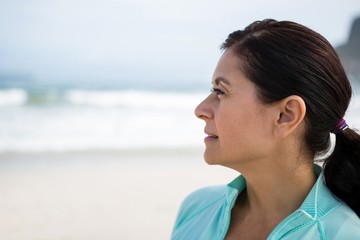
131	99
103	120
12	97
88	128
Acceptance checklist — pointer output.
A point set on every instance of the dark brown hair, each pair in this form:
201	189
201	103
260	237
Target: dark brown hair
284	58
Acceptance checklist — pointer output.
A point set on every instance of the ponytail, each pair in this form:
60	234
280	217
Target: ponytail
342	169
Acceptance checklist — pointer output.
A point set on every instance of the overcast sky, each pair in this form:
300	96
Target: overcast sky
140	40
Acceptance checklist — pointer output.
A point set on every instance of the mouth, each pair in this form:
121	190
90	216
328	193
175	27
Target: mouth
210	136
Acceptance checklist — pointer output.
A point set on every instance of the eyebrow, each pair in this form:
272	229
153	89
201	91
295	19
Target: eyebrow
220	79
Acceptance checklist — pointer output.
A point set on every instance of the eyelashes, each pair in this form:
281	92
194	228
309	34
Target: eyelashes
218	91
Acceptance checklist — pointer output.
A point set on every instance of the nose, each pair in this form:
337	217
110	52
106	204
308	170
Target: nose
204	110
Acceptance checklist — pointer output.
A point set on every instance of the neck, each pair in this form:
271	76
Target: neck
274	191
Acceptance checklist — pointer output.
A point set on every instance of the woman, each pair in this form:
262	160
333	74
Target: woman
279	90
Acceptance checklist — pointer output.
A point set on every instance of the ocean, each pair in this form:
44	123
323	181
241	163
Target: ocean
69	117
78	118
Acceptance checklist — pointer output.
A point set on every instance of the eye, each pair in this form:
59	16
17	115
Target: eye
218	91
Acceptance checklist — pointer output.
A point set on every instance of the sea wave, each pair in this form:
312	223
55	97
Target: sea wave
82	120
132	98
13	97
63	129
99	98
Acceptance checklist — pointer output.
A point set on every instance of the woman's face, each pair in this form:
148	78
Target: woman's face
238	124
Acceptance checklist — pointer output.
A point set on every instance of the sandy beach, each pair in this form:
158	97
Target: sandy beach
99	195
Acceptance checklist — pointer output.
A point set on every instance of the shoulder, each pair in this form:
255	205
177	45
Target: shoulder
342	223
205	195
199	201
336	218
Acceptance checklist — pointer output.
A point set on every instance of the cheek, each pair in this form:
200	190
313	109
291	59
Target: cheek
234	120
231	128
243	127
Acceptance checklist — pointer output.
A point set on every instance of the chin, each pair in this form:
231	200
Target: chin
210	158
210	162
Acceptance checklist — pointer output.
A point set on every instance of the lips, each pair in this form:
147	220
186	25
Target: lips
210	136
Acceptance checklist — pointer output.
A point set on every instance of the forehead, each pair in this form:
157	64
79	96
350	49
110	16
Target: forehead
228	67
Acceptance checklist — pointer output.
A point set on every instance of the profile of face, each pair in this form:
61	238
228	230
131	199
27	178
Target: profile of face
238	124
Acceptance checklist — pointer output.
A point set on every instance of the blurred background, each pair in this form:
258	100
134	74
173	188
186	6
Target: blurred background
98	139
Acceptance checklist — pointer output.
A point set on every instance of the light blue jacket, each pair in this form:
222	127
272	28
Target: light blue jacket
205	215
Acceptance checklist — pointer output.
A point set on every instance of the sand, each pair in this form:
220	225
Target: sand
99	195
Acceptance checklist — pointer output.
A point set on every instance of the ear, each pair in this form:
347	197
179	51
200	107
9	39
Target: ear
291	114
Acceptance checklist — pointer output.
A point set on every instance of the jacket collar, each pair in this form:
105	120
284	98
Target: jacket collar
316	205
